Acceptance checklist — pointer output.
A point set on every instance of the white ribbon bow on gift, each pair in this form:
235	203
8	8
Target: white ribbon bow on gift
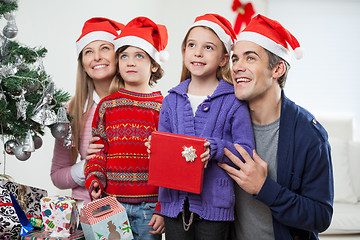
189	153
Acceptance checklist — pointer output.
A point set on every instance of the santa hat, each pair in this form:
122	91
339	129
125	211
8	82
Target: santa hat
220	25
98	28
143	33
272	36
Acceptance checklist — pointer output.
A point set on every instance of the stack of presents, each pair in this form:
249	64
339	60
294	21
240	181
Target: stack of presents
29	213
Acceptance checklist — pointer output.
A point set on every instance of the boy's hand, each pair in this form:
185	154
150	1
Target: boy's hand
157	223
96	192
148	145
206	155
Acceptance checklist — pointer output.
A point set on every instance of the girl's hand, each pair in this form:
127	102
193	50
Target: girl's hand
96	192
206	155
148	145
93	148
157	223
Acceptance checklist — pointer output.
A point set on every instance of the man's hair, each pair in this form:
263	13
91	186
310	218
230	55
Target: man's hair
275	59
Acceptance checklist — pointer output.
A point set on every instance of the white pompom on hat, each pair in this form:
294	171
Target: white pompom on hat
220	25
98	28
143	33
272	36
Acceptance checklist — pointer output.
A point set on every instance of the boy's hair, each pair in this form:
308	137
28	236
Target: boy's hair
223	72
83	92
275	59
154	75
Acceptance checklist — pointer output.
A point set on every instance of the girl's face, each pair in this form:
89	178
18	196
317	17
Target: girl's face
135	68
98	60
203	53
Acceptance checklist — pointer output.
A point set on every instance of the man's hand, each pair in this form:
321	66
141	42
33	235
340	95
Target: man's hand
157	223
252	173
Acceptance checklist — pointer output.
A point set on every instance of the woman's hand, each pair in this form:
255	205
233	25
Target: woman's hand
93	148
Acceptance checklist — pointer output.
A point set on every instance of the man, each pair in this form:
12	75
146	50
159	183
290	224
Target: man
286	190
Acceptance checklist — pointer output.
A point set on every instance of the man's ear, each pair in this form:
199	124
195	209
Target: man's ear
279	70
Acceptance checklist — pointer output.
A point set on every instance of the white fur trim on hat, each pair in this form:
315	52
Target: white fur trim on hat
266	43
93	36
224	37
140	43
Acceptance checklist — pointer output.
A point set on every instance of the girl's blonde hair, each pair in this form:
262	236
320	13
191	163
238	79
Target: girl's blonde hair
154	75
83	92
223	72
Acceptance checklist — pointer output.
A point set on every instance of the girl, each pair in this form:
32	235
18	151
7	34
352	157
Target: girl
204	105
96	69
123	121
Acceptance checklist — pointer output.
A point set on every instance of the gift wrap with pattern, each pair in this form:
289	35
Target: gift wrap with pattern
111	223
60	214
9	222
28	197
45	235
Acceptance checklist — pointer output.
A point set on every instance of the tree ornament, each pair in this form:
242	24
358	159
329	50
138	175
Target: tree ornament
62	116
21	106
28	145
69	140
10	146
37	141
245	12
10	30
20	154
60	130
43	113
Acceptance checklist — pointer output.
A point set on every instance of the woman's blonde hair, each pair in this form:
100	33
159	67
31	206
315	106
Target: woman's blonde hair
83	93
154	75
223	72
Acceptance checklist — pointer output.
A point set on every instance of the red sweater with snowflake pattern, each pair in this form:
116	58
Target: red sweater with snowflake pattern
124	121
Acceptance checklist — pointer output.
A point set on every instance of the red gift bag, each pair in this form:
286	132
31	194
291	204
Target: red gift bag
175	161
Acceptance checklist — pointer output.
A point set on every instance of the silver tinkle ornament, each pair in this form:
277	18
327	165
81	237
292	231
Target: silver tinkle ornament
20	154
69	140
28	145
21	106
10	146
10	30
43	113
62	116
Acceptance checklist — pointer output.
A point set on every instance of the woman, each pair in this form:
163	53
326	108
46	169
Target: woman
95	80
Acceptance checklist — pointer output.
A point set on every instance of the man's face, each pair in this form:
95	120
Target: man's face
251	75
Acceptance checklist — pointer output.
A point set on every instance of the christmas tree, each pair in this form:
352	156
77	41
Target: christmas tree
29	101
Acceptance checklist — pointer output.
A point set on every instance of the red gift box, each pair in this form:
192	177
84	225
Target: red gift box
175	161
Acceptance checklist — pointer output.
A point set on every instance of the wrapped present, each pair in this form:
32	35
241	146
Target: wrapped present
42	234
175	161
60	214
28	197
105	218
10	225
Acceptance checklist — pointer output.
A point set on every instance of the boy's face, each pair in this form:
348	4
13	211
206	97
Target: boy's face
251	74
135	66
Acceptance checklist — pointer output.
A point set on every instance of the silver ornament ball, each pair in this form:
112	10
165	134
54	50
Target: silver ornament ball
10	146
59	130
37	142
20	154
10	30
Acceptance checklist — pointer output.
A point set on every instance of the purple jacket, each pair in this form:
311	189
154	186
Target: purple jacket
223	120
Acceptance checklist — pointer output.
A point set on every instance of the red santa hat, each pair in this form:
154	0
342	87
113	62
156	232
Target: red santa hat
272	36
98	28
143	33
220	25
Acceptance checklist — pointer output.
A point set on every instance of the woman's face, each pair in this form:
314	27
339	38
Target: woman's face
98	59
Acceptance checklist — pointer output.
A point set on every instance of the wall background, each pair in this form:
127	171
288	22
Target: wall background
326	81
